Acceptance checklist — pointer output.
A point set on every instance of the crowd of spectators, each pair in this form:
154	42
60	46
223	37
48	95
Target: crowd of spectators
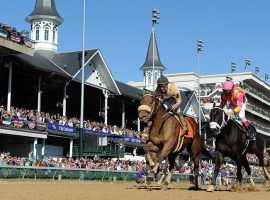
11	33
206	168
71	163
24	118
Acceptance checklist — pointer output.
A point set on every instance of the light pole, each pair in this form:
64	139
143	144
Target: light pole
82	84
233	67
155	18
247	63
200	46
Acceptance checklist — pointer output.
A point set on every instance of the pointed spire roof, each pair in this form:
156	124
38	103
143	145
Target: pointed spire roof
152	53
45	9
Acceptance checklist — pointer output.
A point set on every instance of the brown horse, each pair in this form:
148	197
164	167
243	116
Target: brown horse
164	136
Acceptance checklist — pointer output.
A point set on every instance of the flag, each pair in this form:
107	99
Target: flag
41	127
28	43
15	38
6	122
17	123
31	124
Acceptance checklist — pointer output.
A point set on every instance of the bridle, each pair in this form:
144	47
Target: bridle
151	110
223	123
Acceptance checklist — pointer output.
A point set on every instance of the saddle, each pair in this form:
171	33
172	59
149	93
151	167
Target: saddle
167	104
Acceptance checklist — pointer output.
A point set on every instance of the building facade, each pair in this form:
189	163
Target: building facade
257	91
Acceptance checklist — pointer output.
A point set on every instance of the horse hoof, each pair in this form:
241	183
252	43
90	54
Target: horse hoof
164	187
150	177
193	188
159	183
166	183
211	188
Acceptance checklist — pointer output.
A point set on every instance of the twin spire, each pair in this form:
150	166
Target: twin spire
152	57
45	9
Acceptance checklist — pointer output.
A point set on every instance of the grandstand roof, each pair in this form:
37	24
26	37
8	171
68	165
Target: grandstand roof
190	105
45	9
71	61
40	62
129	91
185	96
69	65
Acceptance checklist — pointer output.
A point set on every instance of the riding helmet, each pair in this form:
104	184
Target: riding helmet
162	80
228	85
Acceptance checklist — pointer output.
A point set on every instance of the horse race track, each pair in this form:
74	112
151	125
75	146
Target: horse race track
75	190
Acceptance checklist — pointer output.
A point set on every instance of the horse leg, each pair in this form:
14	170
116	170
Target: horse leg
153	148
219	161
167	148
164	171
246	166
196	162
239	170
195	152
171	160
260	156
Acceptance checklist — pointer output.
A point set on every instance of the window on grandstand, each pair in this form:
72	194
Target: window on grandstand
37	33
54	32
46	35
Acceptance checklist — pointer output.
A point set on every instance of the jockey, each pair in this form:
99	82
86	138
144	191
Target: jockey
234	98
170	91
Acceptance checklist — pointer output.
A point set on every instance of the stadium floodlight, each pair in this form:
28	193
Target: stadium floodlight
247	63
155	16
233	67
257	70
266	77
200	46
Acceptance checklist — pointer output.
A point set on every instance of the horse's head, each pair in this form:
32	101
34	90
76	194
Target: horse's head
147	107
218	119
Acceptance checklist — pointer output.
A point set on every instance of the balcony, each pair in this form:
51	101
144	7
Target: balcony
258	95
258	111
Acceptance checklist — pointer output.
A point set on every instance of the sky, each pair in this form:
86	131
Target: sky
232	31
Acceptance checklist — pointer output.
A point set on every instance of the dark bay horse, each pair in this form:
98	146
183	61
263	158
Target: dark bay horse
231	141
164	136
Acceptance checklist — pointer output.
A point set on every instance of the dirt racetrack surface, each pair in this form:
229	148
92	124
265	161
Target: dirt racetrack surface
75	190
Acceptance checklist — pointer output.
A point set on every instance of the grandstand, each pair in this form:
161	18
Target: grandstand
257	94
40	96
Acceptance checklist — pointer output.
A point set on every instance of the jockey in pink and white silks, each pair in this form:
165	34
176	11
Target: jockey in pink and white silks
234	99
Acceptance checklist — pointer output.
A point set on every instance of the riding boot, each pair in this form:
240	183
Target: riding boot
183	122
251	132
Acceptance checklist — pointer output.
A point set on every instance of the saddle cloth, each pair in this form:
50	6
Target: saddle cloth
183	135
190	133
